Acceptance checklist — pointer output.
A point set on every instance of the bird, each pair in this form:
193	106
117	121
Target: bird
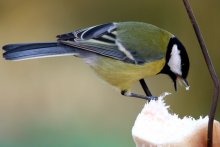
121	53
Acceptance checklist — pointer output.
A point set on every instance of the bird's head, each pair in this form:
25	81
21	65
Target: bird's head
177	62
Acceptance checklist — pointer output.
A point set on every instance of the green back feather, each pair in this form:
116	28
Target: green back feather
148	41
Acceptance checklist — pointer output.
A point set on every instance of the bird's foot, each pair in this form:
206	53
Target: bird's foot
148	98
130	94
154	98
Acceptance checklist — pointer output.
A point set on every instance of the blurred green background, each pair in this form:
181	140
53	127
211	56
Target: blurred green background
60	102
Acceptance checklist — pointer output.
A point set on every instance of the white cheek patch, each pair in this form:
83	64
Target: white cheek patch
175	60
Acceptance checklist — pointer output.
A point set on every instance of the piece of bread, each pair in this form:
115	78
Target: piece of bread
156	126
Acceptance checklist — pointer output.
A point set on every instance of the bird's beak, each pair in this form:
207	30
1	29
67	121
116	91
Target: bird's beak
186	84
181	81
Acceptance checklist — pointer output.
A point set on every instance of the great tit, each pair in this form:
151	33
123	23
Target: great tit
120	53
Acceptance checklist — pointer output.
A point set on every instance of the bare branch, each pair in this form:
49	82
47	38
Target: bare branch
210	68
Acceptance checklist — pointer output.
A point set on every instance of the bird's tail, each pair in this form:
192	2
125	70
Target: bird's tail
37	50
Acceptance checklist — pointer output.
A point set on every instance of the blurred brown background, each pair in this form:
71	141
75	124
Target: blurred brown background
60	102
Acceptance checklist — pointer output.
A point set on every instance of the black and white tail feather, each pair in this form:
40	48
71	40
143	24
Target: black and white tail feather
36	50
100	39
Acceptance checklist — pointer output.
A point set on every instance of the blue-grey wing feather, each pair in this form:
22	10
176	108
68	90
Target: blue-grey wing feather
89	33
98	39
101	49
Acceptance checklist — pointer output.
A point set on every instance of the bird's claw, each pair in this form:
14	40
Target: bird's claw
154	98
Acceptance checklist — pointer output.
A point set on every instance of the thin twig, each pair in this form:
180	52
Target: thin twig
210	68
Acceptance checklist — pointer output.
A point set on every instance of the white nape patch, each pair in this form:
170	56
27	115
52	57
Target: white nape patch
175	60
124	50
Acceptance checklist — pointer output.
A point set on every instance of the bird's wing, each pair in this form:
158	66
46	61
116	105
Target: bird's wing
102	40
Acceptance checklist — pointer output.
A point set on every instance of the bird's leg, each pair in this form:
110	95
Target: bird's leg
145	87
148	96
146	90
130	94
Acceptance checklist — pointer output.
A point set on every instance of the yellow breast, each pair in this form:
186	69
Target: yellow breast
123	75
